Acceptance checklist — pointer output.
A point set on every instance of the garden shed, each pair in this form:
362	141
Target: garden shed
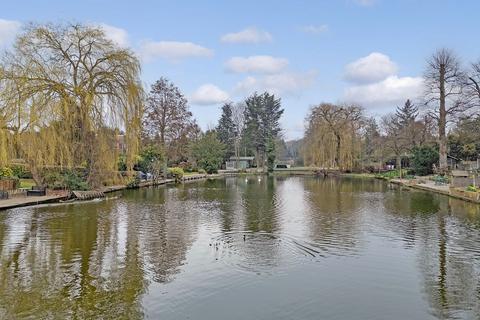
460	179
239	163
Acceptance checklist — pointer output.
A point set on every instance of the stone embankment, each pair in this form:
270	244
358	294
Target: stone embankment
444	189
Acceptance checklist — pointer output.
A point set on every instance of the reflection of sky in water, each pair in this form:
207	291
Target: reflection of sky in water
246	248
17	228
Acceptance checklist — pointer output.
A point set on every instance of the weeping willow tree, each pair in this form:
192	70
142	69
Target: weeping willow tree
67	90
332	138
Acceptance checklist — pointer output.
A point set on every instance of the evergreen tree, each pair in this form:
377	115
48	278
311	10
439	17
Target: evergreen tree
262	117
226	130
423	159
407	114
408	129
253	134
271	115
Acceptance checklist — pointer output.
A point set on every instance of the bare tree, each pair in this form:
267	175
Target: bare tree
395	138
238	118
444	81
167	120
472	88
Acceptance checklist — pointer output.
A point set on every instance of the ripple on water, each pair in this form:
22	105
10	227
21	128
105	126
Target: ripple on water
262	252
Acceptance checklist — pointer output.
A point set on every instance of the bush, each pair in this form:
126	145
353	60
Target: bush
187	166
202	171
177	173
423	160
393	174
21	172
472	188
209	152
133	182
122	163
68	179
6	172
73	181
150	160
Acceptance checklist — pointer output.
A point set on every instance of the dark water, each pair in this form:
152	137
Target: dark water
244	248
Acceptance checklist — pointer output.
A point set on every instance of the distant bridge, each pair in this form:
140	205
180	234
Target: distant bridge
309	170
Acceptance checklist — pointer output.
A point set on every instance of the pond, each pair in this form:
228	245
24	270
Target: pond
245	248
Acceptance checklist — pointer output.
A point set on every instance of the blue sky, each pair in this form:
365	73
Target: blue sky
370	52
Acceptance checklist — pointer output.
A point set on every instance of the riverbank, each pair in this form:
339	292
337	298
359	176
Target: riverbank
24	201
427	185
17	202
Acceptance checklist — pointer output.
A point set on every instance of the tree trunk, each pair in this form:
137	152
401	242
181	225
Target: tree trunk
36	176
442	123
237	152
399	165
337	152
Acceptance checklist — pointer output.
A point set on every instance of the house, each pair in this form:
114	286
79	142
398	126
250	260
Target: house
239	163
284	164
453	162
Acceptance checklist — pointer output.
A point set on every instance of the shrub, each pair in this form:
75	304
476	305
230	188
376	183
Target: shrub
21	172
202	171
176	172
393	174
472	188
208	152
71	180
423	160
187	166
6	172
133	182
122	163
68	179
150	160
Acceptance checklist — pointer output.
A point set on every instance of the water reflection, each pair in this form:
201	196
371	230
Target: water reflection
176	252
444	231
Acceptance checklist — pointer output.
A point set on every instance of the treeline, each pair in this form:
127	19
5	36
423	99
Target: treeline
72	108
246	128
445	121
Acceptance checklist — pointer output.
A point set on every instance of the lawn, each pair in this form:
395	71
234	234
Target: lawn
27	183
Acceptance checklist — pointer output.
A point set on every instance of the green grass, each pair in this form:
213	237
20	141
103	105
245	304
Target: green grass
27	183
393	174
190	173
359	175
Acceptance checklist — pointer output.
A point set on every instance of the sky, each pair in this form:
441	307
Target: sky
370	52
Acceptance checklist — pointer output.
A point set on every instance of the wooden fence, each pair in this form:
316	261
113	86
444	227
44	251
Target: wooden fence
8	184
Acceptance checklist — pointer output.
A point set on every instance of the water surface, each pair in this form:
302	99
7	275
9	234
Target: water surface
245	248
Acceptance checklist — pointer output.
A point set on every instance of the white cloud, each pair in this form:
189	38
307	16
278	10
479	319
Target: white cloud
256	64
372	68
249	35
315	29
391	91
115	34
208	94
8	29
280	84
173	50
